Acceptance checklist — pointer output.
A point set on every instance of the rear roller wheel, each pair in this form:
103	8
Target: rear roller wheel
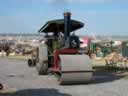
42	69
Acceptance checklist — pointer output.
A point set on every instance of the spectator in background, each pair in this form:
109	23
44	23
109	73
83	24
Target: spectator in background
99	53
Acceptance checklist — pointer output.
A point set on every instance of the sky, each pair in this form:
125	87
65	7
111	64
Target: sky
100	17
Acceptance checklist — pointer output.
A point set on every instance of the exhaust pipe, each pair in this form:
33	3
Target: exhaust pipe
67	24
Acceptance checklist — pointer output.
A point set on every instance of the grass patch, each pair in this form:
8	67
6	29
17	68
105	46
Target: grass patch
16	57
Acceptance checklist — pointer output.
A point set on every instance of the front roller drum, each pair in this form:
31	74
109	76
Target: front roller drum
75	69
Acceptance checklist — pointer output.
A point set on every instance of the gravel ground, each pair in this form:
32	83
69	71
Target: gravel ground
16	74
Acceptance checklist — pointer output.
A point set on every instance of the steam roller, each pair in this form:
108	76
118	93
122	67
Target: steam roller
61	54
